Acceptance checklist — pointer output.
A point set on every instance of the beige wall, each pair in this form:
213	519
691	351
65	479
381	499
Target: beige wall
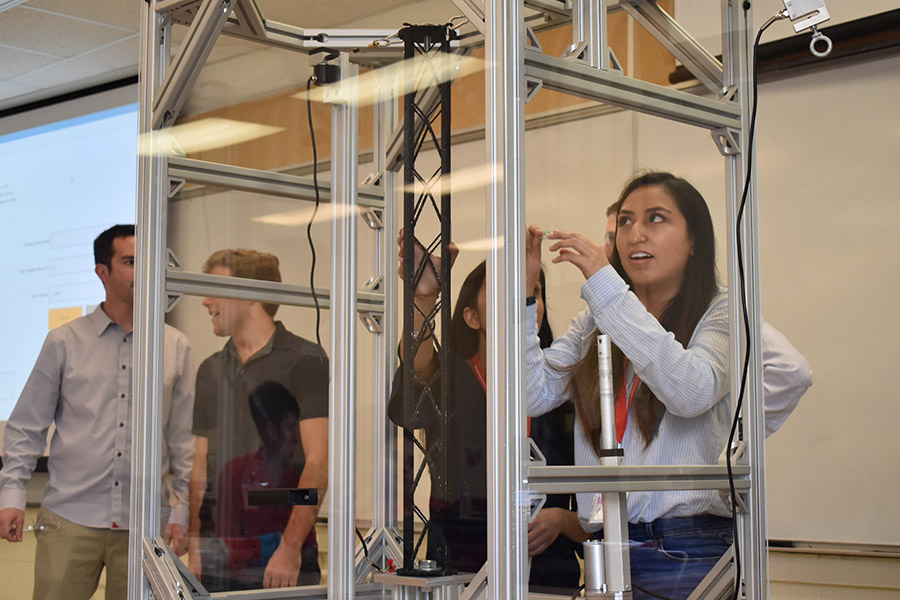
801	576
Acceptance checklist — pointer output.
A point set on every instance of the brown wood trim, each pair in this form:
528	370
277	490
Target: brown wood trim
867	36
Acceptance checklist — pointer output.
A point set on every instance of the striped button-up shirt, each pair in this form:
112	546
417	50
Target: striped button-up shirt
692	382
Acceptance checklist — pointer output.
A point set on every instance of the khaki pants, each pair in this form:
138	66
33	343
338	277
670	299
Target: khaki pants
70	557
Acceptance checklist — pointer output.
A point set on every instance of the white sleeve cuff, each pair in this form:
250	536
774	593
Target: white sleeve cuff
12	496
180	514
602	286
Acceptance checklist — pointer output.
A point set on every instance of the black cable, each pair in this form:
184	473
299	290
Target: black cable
744	311
312	246
366	552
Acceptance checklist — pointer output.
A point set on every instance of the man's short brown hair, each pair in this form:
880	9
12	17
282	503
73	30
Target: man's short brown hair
249	264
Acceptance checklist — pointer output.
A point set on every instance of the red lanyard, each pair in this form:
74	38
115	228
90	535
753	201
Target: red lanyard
479	372
621	405
482	379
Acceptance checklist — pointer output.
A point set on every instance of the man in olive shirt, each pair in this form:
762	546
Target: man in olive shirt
259	350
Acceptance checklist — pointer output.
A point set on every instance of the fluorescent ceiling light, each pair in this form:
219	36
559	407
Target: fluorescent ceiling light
205	134
480	245
300	217
471	178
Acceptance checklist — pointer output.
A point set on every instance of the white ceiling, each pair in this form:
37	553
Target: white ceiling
51	47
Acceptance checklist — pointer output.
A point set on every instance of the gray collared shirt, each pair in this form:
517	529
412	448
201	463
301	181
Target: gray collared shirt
82	383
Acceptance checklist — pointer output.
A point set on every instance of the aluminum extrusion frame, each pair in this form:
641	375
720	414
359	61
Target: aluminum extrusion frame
737	44
149	301
264	182
220	286
578	79
508	507
679	42
343	390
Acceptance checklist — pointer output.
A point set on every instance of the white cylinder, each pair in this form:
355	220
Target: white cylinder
607	396
594	567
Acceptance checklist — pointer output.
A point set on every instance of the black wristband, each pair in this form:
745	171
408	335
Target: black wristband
530	300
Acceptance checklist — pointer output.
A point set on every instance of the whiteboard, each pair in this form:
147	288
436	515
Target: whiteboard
830	212
67	172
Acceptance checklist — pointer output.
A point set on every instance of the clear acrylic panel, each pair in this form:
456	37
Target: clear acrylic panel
261	404
577	156
261	420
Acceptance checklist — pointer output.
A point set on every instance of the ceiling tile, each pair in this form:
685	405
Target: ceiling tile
11	89
14	62
99	39
120	13
120	54
64	88
63	72
315	14
53	34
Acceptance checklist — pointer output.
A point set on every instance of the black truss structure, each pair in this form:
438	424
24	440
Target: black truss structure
424	47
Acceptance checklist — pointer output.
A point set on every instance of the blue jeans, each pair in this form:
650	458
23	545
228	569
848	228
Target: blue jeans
669	557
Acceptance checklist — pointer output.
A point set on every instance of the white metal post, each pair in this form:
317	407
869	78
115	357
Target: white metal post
616	554
386	432
149	322
342	414
737	28
589	25
505	218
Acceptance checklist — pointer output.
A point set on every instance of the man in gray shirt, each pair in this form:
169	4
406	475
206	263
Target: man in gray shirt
82	383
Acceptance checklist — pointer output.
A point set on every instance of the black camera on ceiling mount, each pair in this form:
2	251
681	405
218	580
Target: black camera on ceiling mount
326	72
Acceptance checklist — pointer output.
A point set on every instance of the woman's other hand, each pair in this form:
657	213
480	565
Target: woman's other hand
574	248
428	283
534	235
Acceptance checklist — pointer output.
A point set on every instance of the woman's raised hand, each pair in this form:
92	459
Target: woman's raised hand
574	248
428	282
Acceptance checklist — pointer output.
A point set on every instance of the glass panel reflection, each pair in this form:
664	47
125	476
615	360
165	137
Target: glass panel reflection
261	421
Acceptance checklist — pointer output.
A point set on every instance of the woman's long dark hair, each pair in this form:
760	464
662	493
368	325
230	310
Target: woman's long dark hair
464	339
698	287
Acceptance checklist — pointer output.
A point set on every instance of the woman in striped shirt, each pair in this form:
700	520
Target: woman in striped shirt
659	301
